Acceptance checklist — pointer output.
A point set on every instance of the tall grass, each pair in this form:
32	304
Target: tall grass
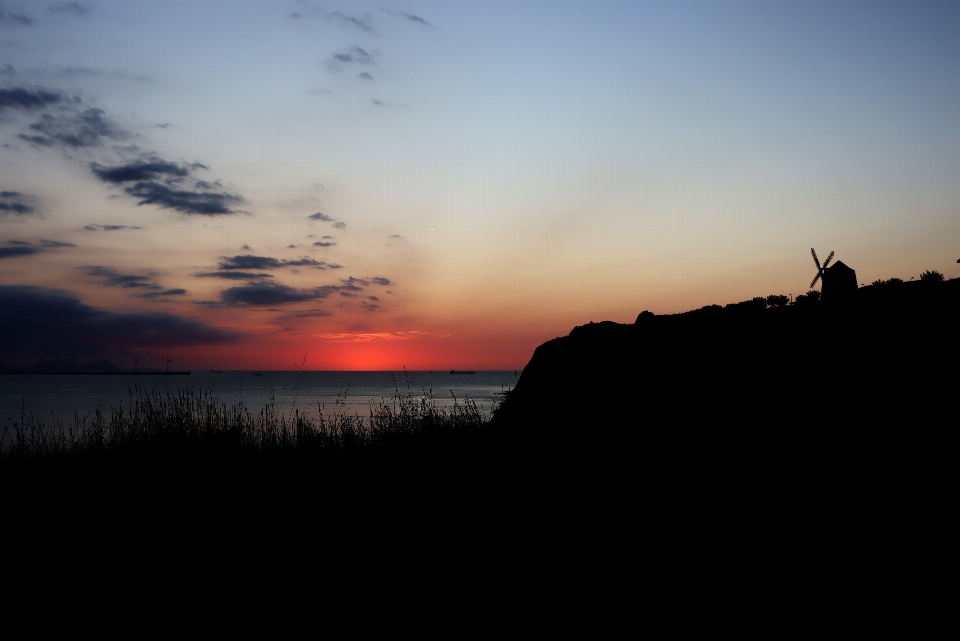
185	421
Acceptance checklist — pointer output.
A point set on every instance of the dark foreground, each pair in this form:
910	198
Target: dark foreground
793	444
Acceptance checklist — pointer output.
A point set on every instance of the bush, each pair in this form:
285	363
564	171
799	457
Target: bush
810	297
891	281
777	300
932	276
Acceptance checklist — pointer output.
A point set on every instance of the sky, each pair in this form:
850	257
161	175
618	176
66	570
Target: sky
436	185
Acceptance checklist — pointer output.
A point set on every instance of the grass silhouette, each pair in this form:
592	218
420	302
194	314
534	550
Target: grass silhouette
186	421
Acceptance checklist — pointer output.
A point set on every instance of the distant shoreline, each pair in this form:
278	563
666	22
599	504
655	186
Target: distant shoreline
94	373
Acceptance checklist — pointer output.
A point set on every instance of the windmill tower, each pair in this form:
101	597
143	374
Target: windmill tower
838	281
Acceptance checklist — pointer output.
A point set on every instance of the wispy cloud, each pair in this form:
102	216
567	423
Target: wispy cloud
18	248
109	227
407	16
351	56
13	203
71	8
233	275
324	244
166	293
363	23
151	289
87	128
364	76
9	19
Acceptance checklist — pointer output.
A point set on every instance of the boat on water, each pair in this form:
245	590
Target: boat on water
462	371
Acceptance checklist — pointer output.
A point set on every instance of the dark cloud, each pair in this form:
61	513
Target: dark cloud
351	283
305	262
374	298
395	236
152	169
325	290
19	250
38	322
247	247
268	262
340	225
363	23
413	18
306	313
164	293
407	16
7	70
113	278
380	280
324	244
85	128
263	293
74	8
109	227
21	98
354	55
24	248
346	294
13	203
200	203
324	237
14	19
249	262
233	275
379	103
320	216
364	76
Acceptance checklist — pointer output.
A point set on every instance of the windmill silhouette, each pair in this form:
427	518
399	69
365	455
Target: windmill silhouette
839	280
820	270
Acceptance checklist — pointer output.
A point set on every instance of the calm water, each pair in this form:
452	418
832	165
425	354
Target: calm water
58	398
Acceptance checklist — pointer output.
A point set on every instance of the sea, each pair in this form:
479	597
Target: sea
67	399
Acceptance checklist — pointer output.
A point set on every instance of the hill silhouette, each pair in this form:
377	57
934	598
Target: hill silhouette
882	354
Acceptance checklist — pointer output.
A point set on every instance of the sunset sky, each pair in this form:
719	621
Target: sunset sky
437	185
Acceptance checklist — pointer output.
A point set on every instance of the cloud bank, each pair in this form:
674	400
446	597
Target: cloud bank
39	322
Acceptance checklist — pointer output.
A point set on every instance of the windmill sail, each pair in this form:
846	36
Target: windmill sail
820	268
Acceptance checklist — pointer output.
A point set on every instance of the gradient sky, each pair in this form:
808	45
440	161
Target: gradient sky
448	184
